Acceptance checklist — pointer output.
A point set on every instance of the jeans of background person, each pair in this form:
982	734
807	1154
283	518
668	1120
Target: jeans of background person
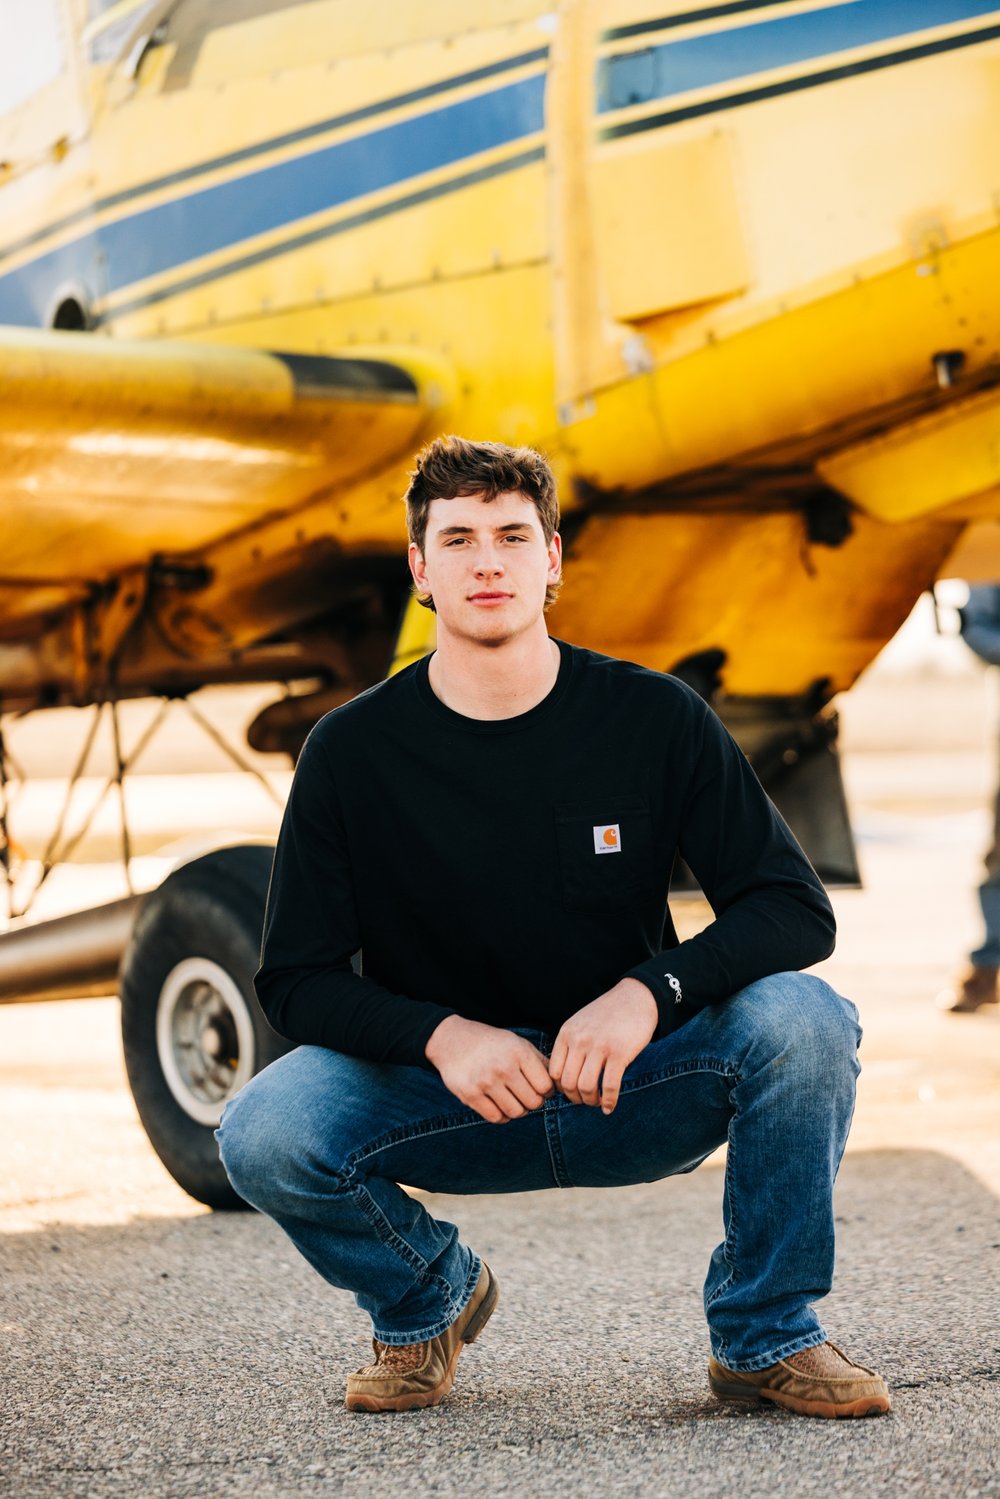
988	956
319	1142
980	620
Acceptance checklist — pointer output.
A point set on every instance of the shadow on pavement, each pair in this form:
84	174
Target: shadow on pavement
202	1356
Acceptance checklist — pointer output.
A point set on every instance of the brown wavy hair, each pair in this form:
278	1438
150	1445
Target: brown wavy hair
452	466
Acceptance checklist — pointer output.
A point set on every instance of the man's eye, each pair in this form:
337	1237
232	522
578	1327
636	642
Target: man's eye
516	538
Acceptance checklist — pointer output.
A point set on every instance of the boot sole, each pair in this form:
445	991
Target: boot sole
864	1405
484	1311
420	1399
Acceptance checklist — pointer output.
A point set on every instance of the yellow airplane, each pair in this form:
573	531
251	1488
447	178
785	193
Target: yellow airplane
733	266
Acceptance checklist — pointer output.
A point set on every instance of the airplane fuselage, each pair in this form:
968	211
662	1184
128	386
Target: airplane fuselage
699	256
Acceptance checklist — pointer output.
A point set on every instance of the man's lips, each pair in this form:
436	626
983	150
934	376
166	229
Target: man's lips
488	598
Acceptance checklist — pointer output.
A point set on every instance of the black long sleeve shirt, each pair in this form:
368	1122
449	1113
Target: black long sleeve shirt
513	870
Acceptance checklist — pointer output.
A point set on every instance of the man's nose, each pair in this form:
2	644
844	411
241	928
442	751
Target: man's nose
489	563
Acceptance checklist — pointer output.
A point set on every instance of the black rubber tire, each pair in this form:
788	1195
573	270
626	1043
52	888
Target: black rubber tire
212	908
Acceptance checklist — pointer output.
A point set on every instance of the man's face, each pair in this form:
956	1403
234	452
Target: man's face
486	565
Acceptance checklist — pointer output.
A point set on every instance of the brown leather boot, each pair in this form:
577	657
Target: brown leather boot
977	987
818	1381
406	1376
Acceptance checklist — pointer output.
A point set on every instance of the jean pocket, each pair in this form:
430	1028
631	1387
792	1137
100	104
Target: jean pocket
605	850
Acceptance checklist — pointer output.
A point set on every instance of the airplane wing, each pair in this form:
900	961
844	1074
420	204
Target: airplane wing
112	452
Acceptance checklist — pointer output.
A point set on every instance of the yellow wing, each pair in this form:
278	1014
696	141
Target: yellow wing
113	452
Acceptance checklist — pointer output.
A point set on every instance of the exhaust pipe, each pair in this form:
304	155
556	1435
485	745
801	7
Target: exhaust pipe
69	957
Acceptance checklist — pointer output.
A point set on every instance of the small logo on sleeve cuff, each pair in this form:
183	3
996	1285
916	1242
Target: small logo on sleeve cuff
608	839
675	985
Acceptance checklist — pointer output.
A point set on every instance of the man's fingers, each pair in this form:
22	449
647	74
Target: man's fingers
536	1071
570	1077
510	1106
611	1084
557	1060
580	1080
569	1082
486	1109
590	1077
527	1096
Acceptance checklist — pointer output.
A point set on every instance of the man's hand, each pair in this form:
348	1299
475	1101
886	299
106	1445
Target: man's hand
500	1075
603	1037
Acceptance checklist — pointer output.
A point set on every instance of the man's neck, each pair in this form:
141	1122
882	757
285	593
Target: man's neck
494	681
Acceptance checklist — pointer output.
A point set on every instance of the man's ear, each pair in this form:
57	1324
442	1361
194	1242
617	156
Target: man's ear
555	558
418	570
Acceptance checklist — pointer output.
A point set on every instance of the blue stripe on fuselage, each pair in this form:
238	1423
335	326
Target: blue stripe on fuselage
738	52
172	234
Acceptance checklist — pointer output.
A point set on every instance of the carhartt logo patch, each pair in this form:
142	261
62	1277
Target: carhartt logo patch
608	839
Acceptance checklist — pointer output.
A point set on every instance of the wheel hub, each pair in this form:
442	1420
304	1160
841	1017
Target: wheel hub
204	1037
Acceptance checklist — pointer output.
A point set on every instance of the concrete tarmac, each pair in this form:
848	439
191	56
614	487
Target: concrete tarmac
154	1349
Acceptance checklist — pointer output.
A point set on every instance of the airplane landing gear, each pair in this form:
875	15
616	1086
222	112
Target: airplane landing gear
192	1029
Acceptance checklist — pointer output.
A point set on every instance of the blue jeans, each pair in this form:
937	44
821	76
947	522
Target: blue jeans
319	1142
988	955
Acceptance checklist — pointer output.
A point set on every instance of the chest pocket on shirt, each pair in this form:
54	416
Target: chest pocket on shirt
604	881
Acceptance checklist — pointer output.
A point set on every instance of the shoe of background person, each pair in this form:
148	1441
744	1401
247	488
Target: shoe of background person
818	1381
411	1375
977	987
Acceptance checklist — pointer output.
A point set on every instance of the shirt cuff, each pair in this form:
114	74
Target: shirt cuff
666	984
421	1037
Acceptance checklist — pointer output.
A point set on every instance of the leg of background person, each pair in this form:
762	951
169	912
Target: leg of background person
318	1141
772	1070
988	956
977	986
